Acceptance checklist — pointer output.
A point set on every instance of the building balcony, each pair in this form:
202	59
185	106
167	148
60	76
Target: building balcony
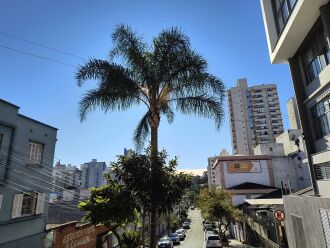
283	44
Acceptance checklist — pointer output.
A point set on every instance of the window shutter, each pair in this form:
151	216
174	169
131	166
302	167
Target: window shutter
17	206
1	196
40	203
325	219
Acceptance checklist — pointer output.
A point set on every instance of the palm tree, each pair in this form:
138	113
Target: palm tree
166	76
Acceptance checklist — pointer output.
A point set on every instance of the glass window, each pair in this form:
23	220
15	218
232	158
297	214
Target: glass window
321	114
316	56
28	204
282	10
35	155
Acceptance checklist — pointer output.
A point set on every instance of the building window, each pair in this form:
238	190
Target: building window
322	171
316	56
29	203
35	154
321	114
282	11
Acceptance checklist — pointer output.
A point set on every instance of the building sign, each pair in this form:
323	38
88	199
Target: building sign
84	236
279	215
243	167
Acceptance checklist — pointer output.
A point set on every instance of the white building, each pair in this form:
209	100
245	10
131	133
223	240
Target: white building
93	174
244	176
255	116
298	33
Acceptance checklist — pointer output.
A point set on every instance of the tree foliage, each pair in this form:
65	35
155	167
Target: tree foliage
136	173
112	205
216	206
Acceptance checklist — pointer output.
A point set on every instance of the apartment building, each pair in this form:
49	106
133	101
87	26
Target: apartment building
65	176
93	174
298	33
255	116
26	158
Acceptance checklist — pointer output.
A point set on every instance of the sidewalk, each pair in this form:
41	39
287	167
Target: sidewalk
235	243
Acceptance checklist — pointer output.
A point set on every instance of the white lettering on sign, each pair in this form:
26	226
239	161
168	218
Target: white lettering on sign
78	238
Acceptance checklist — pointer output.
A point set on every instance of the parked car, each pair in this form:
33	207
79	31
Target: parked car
192	207
208	227
181	233
209	233
175	238
165	242
213	241
186	225
188	220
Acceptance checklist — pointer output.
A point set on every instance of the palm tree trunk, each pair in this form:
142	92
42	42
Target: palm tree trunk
155	178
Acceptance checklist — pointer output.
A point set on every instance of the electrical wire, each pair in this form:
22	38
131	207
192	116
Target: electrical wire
41	45
38	56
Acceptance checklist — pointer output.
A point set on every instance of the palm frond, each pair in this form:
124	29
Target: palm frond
94	69
130	47
142	131
203	106
115	90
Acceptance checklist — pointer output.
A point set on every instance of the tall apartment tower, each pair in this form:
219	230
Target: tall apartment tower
255	116
293	113
92	174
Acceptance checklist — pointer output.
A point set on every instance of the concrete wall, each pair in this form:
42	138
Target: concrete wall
307	208
262	177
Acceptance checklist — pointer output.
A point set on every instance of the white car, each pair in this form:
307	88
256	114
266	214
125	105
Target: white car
213	241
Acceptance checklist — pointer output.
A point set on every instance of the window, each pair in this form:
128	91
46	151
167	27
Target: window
35	155
282	10
322	171
28	203
317	56
321	114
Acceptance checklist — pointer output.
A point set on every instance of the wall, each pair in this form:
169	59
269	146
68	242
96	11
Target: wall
262	177
306	207
239	199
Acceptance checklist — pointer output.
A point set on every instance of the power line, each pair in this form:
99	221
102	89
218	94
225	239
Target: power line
41	45
38	56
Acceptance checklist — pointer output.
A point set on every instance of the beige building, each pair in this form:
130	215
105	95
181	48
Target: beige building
298	33
293	113
255	116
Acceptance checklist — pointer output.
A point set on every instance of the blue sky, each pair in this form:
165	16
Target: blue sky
228	33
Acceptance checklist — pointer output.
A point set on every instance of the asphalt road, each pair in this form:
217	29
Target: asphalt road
194	237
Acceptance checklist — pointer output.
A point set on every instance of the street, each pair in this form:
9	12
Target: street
195	235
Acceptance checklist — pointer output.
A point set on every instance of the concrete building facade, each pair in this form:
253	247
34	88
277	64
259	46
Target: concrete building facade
298	33
93	174
293	113
26	158
255	116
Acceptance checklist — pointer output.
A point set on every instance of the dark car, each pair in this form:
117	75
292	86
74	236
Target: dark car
175	238
186	225
165	242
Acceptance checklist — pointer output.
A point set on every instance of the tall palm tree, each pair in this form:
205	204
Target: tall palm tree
166	76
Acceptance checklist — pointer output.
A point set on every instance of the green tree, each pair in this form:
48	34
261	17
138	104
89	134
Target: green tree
216	206
136	173
112	205
165	76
